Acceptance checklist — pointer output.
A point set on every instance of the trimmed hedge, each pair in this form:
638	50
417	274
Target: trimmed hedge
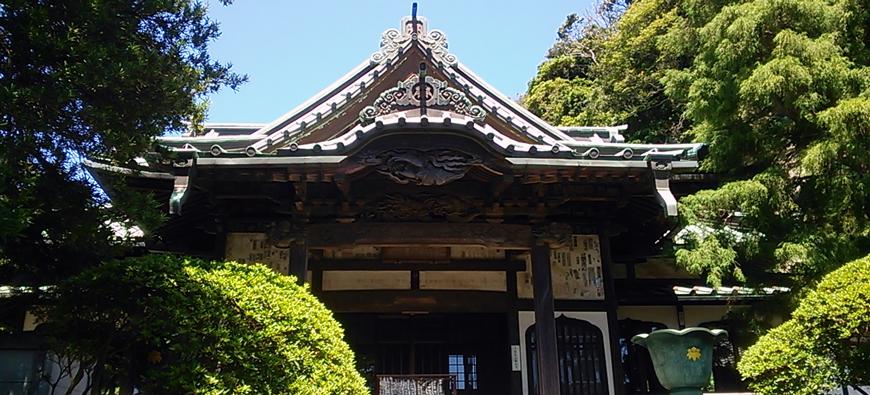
170	325
826	343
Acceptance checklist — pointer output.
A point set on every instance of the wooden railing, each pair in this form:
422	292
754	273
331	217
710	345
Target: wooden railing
415	384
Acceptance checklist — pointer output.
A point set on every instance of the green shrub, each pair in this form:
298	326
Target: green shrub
170	325
826	343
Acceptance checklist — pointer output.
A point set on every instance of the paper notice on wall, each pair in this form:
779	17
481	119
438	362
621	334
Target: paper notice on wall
575	270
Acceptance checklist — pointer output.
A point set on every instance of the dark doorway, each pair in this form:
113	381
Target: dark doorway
472	347
582	366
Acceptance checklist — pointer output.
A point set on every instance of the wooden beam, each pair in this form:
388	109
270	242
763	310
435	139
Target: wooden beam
476	265
397	301
430	234
566	305
545	322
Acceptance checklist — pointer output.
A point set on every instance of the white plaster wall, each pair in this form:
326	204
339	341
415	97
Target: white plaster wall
663	314
599	319
693	315
31	321
696	315
350	280
661	267
64	383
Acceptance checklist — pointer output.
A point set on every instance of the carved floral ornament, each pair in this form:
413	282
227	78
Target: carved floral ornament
393	40
411	94
693	353
554	235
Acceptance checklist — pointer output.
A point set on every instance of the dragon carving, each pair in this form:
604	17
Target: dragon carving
425	168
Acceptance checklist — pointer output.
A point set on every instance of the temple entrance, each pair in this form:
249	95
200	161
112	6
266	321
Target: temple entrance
471	347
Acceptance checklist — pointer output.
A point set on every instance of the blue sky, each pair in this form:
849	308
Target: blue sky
290	50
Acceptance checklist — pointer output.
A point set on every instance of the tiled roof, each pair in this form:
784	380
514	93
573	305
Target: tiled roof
726	291
8	291
385	92
598	143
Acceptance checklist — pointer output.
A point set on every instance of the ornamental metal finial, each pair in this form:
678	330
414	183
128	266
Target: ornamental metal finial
414	18
416	29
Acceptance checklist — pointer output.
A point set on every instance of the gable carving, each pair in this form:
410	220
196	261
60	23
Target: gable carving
410	93
418	167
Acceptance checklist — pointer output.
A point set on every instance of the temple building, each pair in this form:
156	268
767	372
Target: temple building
451	231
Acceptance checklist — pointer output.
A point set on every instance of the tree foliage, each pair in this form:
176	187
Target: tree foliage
625	57
88	78
779	89
170	325
562	93
825	344
780	92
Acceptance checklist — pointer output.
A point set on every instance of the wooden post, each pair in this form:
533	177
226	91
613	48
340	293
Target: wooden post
299	260
545	322
317	282
513	332
611	301
220	241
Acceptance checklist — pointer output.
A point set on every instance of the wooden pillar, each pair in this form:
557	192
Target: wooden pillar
220	247
611	301
681	316
545	322
219	253
299	260
515	386
317	282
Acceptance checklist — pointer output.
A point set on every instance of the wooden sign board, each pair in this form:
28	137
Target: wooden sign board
256	248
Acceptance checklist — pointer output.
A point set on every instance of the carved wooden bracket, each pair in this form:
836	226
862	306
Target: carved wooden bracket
283	234
420	207
554	235
433	234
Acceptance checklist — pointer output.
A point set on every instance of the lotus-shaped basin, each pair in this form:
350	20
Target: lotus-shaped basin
683	359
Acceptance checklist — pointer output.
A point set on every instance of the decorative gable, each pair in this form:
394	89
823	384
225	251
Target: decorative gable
410	93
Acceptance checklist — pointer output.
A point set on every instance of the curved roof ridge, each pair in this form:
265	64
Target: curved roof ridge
327	92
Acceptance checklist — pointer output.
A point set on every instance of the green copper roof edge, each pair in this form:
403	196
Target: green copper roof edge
88	163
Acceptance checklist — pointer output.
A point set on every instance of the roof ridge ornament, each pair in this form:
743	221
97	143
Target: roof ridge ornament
408	94
414	29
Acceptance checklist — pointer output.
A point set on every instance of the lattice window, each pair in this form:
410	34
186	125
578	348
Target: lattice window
640	376
582	367
464	368
725	356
